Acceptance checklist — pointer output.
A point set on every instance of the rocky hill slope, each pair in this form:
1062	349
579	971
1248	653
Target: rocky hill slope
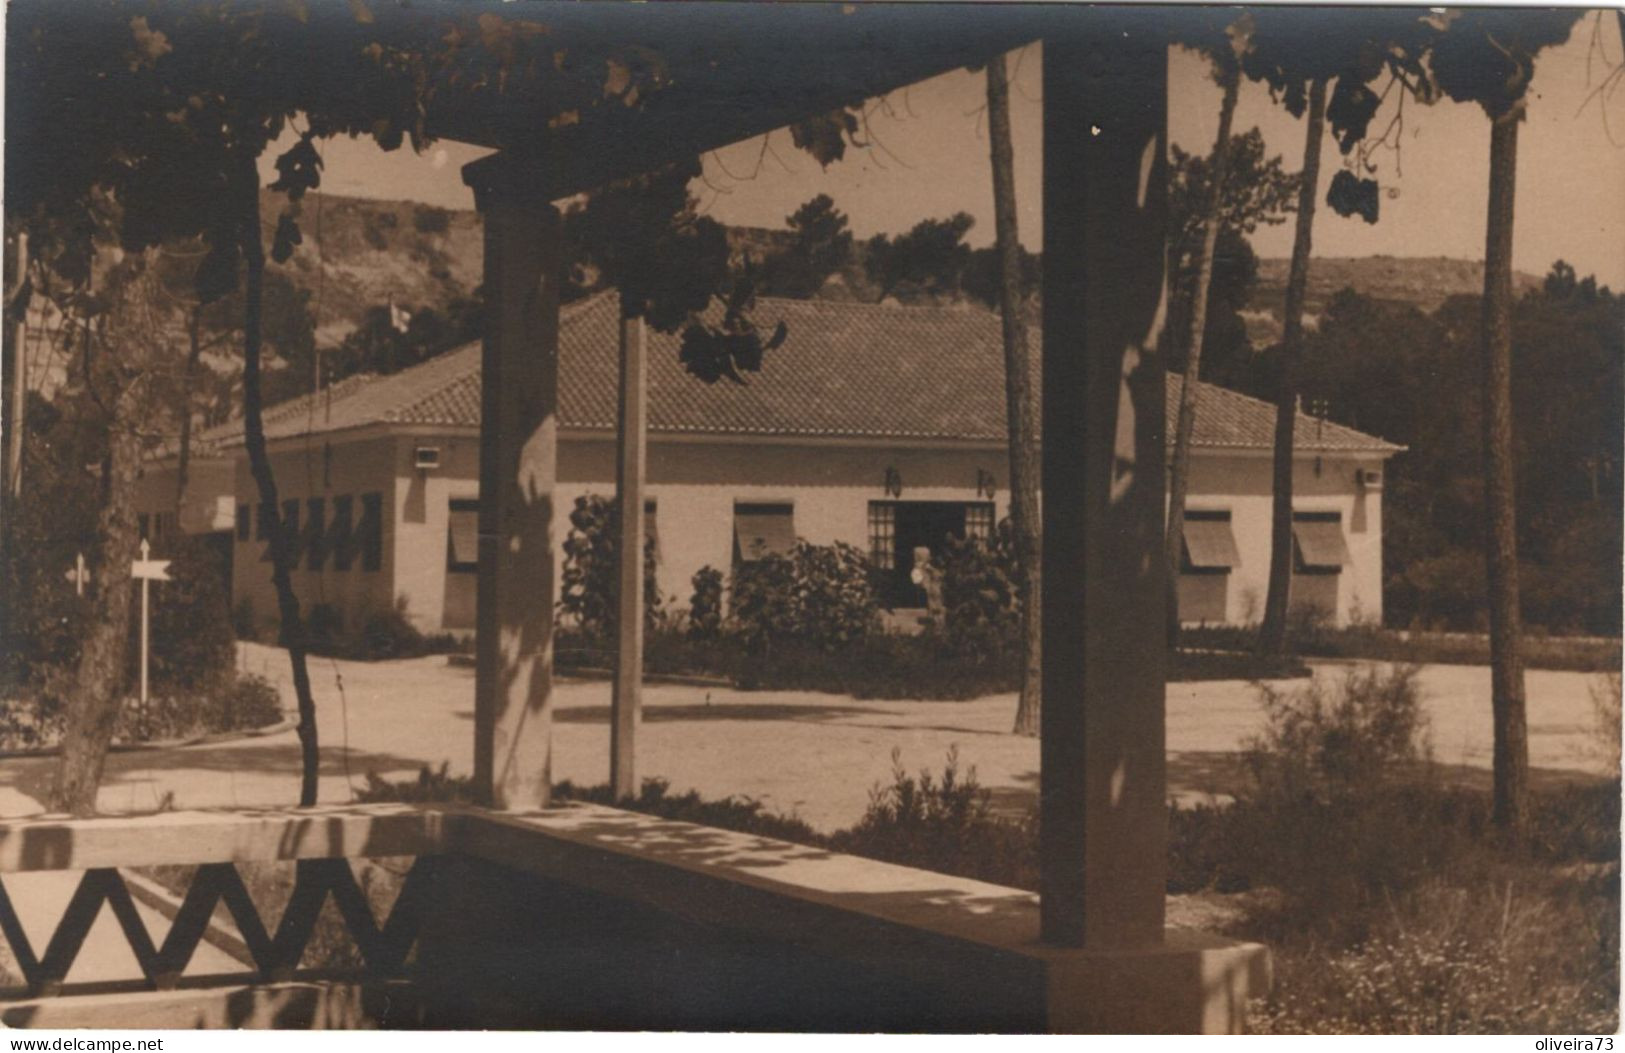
358	253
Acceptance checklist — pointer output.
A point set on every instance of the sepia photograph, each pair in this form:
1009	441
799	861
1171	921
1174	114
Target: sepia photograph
811	517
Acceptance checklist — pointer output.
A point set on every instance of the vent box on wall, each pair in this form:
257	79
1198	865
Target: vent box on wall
426	458
1368	478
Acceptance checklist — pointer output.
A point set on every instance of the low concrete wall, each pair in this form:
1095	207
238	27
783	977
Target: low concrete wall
622	921
584	916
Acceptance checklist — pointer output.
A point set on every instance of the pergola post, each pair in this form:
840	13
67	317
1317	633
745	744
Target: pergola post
1103	783
518	472
626	700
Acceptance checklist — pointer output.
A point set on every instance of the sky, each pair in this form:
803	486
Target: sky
927	157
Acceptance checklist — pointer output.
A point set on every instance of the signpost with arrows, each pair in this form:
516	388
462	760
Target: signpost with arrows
148	570
79	574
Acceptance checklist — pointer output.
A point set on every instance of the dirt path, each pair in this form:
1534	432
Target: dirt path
809	754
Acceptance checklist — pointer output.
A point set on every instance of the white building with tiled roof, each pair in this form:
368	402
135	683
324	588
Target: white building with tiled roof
877	425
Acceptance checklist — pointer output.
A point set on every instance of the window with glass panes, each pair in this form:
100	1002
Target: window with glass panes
882	534
979	520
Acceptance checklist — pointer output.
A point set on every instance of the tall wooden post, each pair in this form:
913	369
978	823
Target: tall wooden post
17	385
1103	783
627	702
518	472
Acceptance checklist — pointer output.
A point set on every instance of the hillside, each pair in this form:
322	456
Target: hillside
358	253
1423	282
361	252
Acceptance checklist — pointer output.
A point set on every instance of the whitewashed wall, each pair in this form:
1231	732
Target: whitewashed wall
695	485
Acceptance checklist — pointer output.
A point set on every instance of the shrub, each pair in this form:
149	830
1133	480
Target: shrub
1330	742
589	587
250	702
390	634
324	629
764	603
945	824
705	605
430	786
1517	953
192	641
883	665
1341	812
244	621
380	636
981	604
820	594
231	702
430	220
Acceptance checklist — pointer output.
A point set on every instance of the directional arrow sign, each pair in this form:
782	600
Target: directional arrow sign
150	569
79	575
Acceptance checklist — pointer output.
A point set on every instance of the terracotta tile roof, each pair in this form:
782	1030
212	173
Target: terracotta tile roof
848	370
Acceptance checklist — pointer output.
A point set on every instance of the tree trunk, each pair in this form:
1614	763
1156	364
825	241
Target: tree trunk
1272	636
183	459
259	462
1501	539
1018	400
1179	472
92	709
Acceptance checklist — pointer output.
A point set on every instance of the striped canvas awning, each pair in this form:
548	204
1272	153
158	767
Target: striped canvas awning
764	531
1210	545
1321	545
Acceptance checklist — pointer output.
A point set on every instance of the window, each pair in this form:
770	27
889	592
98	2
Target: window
979	520
265	522
1206	558
1210	547
882	534
145	524
340	532
245	526
314	540
290	530
463	537
762	530
1318	546
371	531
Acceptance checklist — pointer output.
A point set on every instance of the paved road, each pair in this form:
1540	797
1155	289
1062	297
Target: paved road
814	755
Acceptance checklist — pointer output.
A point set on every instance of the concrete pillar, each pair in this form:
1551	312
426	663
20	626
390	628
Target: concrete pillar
518	473
626	702
1103	784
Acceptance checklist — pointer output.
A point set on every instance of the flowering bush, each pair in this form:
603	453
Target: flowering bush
705	605
982	606
819	593
1455	959
591	558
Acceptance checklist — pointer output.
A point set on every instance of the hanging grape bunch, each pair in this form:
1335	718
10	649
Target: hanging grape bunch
711	352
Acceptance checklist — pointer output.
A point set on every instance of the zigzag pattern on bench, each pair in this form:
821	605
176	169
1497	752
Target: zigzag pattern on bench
384	950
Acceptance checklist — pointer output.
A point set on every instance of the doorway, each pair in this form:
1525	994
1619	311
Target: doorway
897	528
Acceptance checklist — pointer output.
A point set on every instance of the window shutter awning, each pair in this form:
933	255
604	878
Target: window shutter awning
1209	544
1321	545
764	533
